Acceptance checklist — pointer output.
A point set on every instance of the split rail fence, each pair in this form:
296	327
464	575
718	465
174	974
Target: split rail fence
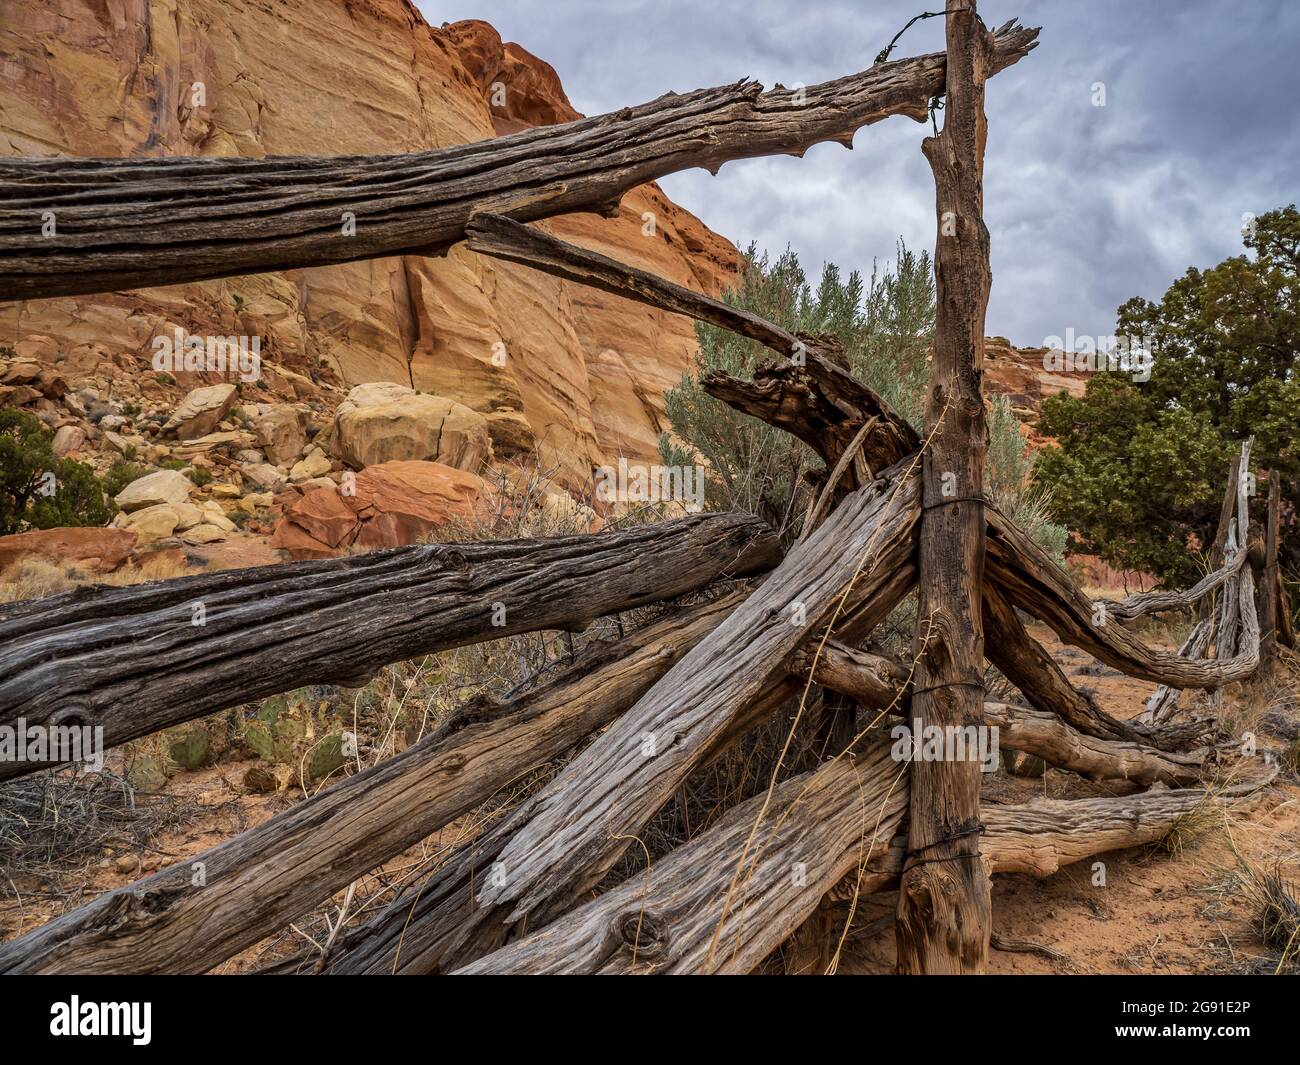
885	523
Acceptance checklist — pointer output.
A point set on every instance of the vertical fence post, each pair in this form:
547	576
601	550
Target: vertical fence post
944	904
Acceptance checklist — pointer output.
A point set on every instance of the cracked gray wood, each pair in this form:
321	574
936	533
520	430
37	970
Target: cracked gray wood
259	880
128	223
130	660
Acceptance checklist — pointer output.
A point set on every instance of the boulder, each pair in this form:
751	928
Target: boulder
280	431
97	549
18	395
315	464
386	422
394	504
151	523
200	411
325	515
299	543
45	380
187	515
210	442
159	487
262	475
212	514
69	438
205	533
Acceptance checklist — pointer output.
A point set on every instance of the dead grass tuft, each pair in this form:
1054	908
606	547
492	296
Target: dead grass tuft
35	578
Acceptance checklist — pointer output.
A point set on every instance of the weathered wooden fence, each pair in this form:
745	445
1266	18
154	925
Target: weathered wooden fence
894	513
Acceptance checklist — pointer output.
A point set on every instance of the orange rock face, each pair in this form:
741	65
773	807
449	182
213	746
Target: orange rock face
1020	375
576	374
393	504
97	549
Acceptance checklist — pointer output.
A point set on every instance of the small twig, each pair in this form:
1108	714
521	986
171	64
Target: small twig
823	501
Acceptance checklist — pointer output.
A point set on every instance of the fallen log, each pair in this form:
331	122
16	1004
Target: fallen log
504	238
872	680
1034	583
1027	665
70	226
809	394
258	881
880	683
134	660
1164	700
663	921
1042	836
1136	606
588	816
1018	567
1056	743
676	919
604	797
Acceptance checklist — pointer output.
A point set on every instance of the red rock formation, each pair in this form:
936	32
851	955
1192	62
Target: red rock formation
584	373
101	550
394	504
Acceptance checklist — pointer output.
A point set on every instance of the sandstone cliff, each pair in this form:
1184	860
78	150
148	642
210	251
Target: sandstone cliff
583	374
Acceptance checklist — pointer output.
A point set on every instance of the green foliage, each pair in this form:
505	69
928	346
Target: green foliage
1008	480
200	476
29	496
886	328
191	750
282	731
752	466
122	474
326	757
1141	467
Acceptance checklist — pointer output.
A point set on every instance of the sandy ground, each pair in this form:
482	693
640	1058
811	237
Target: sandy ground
1155	914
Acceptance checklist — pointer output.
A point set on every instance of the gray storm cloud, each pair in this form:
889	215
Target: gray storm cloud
1086	205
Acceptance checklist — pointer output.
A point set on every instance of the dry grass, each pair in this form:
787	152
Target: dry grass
1190	829
1276	915
36	578
60	821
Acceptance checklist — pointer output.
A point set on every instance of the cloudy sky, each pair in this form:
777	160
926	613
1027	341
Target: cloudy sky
1086	205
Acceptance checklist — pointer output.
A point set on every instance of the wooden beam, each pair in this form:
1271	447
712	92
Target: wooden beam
1136	606
592	811
601	800
944	902
678	918
809	393
1270	591
260	880
1027	665
665	920
1056	743
1033	582
880	683
127	223
504	238
133	660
